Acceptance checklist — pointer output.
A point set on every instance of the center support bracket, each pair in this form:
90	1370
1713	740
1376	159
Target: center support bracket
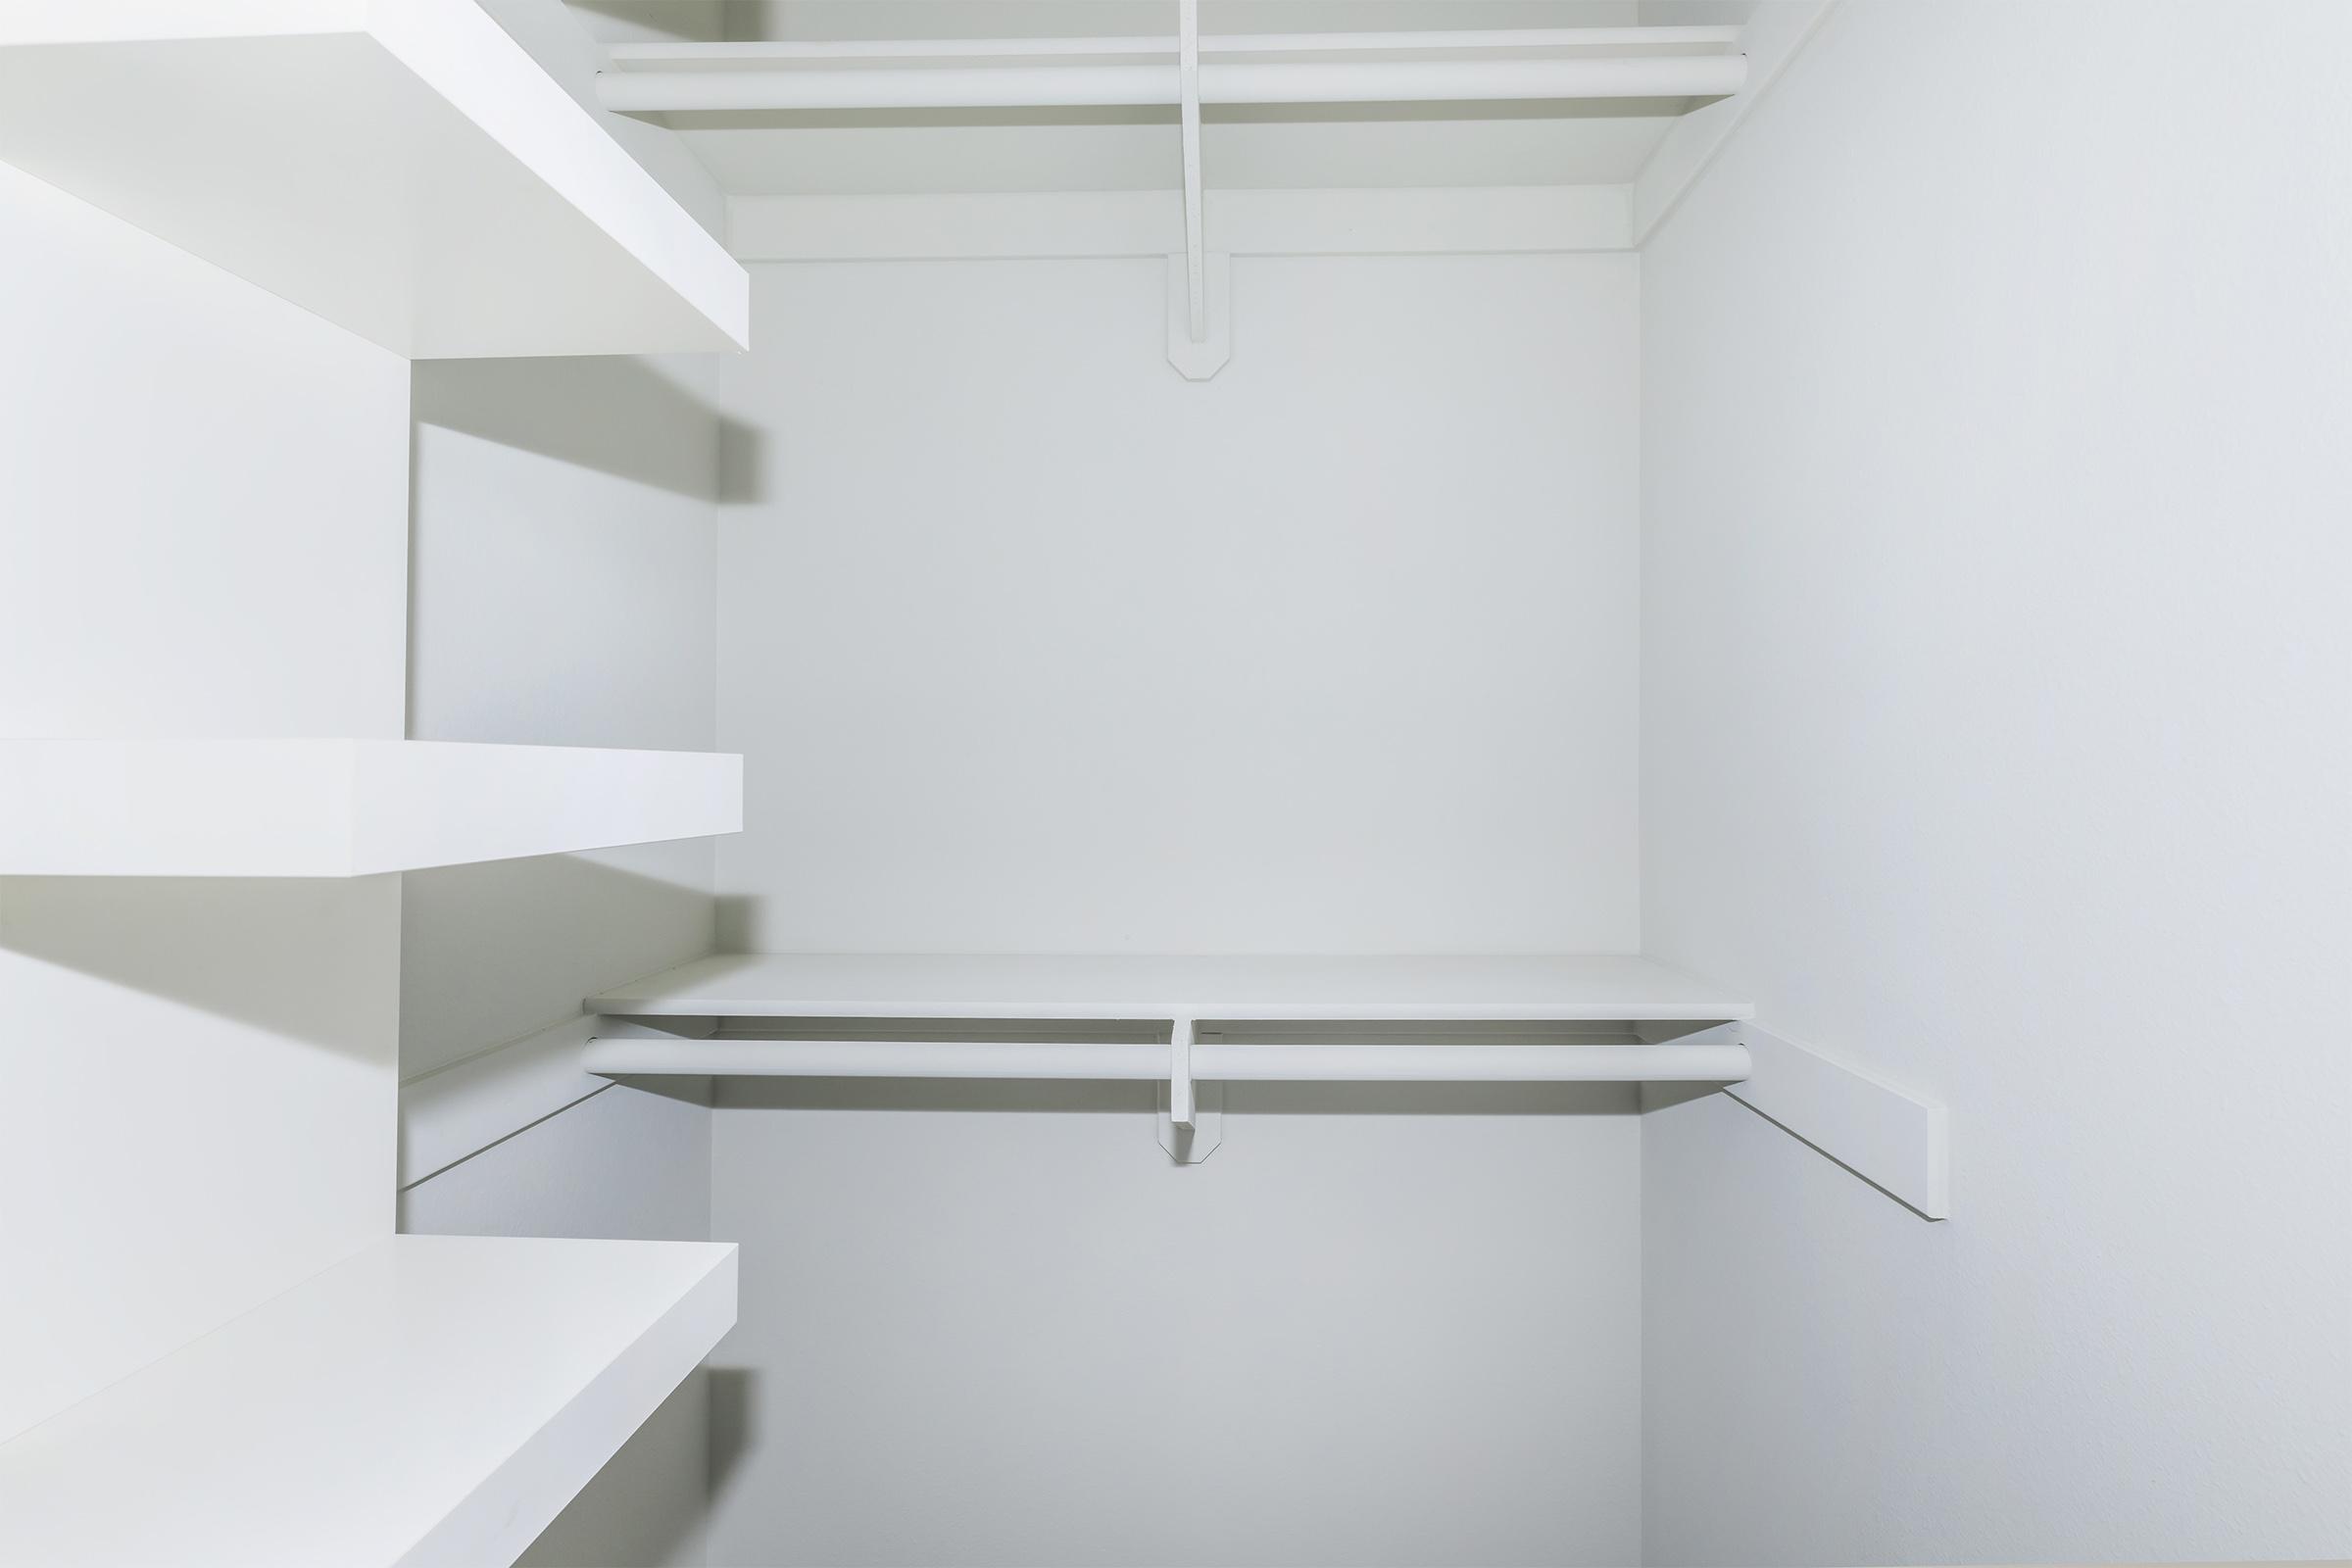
1192	1115
1199	359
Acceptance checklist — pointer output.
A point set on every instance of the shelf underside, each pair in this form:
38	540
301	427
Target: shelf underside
404	170
812	118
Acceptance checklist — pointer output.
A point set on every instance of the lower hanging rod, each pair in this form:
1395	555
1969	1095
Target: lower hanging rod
1215	1062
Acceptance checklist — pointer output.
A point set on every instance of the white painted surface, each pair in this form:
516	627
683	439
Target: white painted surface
636	21
1129	149
564	594
1895	1141
1047	650
628	1165
766	84
570	45
175	1048
176	449
1176	1065
1995	737
145	597
1246	223
823	985
1030	645
645	55
433	1400
1002	1327
406	170
860	19
322	808
647	1504
451	1111
1774	34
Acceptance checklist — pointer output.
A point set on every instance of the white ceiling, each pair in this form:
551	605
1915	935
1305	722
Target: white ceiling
1241	148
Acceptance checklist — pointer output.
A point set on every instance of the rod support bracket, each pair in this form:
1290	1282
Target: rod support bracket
1197	357
1180	1072
1190	1145
1192	1115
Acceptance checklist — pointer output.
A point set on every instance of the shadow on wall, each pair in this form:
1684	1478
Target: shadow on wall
734	1420
320	947
493	951
621	417
696	20
646	1505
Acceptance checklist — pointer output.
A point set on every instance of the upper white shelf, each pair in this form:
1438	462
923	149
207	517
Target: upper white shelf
340	808
1343	988
436	1400
1336	67
401	168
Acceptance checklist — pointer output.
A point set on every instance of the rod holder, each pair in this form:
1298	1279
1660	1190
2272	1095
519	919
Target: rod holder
1180	1072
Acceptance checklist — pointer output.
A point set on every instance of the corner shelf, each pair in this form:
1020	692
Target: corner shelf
406	170
340	808
433	1399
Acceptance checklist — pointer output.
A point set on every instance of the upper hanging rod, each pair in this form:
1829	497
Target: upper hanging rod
1165	46
1426	68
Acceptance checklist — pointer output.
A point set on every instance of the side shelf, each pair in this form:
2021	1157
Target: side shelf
436	1400
340	808
401	168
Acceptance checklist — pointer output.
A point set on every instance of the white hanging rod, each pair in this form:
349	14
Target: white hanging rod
1296	1063
1162	47
1114	86
1071	86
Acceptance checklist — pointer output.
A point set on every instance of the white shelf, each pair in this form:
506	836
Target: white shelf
1669	63
994	986
340	808
1194	997
401	167
436	1400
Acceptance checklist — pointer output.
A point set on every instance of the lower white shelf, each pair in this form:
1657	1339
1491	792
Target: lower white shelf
1707	1061
340	808
1393	986
436	1400
727	1000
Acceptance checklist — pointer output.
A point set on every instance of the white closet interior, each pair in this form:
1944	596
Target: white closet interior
822	782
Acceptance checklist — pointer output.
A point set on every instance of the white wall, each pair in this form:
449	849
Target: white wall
994	1325
201	522
564	582
181	447
1995	736
628	1165
564	595
1031	644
